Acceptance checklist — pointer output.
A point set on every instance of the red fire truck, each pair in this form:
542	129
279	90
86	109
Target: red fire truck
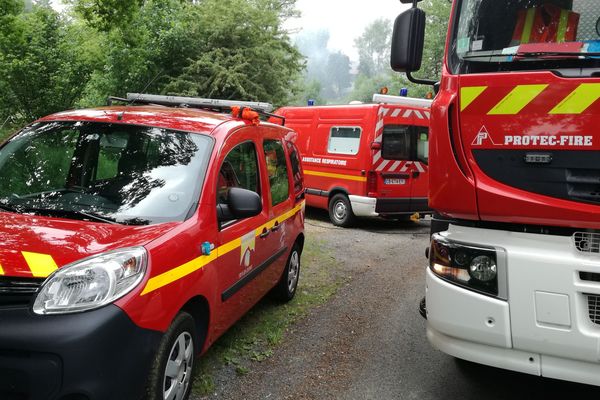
514	263
364	160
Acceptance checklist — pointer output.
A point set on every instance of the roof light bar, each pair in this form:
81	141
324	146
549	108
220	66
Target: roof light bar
196	102
407	101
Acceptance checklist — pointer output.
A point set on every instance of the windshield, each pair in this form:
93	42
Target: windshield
103	172
504	35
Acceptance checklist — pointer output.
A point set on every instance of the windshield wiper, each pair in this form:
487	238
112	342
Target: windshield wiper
555	54
70	213
10	208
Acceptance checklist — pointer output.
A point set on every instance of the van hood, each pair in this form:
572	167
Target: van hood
533	144
32	246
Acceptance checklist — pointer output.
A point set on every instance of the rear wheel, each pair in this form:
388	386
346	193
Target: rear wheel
173	368
286	288
340	211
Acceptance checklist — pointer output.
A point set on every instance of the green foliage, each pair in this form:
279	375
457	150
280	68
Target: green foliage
106	14
374	48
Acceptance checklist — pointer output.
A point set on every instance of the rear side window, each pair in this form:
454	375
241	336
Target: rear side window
296	166
344	140
405	142
239	169
277	170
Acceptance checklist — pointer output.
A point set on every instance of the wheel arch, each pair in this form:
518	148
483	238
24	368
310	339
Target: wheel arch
338	190
199	308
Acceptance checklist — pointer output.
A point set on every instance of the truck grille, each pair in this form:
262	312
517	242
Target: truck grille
594	308
563	174
587	242
18	291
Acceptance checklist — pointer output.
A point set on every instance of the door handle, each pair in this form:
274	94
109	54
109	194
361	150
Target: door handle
264	233
275	227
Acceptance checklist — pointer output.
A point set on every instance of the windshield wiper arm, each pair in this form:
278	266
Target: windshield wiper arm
10	208
72	213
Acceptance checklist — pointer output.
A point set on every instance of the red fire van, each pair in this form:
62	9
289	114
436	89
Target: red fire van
133	237
364	160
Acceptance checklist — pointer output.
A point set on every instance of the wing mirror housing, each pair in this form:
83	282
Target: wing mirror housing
241	203
408	40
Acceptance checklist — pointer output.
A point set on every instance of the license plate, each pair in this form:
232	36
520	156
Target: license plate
390	181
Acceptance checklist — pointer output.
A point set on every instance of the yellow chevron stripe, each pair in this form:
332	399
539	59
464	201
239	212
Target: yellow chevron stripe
41	265
469	94
339	176
517	99
579	100
1	270
198	263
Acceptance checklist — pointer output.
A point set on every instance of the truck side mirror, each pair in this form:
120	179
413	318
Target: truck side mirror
408	40
241	203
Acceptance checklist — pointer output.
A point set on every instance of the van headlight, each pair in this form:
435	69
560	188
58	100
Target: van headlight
92	282
472	267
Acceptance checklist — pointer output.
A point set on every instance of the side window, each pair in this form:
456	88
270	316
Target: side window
239	169
277	170
344	140
404	142
296	166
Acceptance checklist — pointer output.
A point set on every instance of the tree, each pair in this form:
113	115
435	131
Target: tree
337	73
245	53
374	48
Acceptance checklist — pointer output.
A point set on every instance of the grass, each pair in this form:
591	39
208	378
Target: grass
254	338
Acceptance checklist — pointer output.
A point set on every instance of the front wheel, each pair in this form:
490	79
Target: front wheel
173	368
340	211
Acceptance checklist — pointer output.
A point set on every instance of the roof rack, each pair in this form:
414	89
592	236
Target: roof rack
407	101
196	102
263	109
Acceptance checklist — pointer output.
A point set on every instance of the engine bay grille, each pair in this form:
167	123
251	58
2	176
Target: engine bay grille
594	308
587	242
18	291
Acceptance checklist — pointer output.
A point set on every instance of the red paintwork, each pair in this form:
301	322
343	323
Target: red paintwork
172	244
458	187
313	125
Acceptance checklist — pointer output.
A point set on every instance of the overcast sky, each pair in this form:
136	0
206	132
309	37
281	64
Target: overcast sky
345	19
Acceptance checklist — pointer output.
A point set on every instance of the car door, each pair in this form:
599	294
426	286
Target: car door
278	181
241	248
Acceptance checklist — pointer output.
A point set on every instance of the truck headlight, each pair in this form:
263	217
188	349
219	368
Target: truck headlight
92	282
473	267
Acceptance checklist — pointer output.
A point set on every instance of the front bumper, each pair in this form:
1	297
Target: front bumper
375	207
544	328
94	355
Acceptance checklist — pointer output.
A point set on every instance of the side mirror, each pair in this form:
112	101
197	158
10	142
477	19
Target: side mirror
408	40
241	203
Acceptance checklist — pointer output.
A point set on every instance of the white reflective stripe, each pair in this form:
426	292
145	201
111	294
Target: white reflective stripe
407	113
395	166
427	114
405	166
420	167
396	112
384	111
382	165
376	157
419	115
379	126
379	139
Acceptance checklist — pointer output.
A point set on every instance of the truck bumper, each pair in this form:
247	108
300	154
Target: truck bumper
546	327
94	355
375	207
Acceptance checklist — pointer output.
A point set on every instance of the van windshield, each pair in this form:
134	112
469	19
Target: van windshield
505	35
103	172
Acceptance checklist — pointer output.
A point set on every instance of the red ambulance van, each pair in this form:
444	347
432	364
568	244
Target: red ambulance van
133	237
364	160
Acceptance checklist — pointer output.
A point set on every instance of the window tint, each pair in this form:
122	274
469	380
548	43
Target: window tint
239	169
344	140
296	166
404	142
109	155
277	170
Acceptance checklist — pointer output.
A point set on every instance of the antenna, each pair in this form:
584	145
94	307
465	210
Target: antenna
147	85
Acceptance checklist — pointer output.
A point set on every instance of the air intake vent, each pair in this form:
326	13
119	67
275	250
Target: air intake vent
594	308
587	242
17	291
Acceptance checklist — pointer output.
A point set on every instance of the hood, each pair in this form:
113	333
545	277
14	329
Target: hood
33	246
532	141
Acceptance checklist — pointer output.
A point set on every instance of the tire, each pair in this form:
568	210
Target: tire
285	290
340	211
175	384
